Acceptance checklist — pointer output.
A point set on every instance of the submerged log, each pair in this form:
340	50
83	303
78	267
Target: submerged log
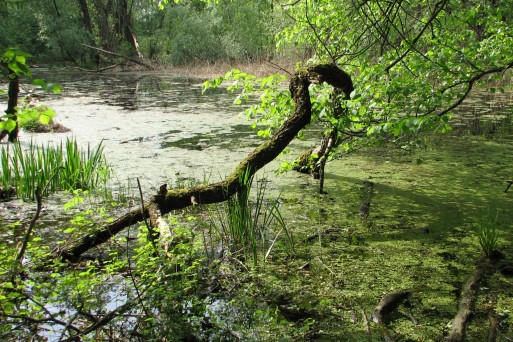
221	191
387	304
467	303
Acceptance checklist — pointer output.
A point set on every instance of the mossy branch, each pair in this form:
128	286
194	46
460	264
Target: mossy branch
221	191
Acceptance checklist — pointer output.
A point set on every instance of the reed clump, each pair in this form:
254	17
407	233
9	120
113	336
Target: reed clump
487	232
51	168
250	226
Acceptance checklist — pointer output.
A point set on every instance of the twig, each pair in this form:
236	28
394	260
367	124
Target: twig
326	267
142	204
138	293
272	244
438	8
510	182
39	206
32	224
104	321
333	60
70	321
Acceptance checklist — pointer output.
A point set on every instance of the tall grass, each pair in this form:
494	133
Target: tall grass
61	167
251	227
487	234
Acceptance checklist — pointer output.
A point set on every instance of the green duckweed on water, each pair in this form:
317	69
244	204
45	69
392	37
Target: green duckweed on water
391	221
418	236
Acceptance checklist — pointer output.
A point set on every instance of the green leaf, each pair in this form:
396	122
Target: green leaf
44	119
8	125
54	88
39	82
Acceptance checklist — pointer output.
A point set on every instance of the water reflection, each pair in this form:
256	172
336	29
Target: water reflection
138	91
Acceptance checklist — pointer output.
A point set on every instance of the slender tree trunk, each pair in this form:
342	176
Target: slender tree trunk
86	16
314	161
86	22
124	25
103	10
12	103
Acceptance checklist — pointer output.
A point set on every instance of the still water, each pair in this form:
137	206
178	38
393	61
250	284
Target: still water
153	126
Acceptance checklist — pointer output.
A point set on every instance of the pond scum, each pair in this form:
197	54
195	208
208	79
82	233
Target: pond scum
418	234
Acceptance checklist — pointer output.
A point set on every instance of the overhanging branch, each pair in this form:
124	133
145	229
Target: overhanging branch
221	191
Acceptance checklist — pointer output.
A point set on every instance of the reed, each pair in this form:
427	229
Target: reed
251	226
487	232
58	168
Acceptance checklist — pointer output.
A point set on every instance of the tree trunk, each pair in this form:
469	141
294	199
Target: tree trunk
124	25
86	17
167	201
102	18
314	161
12	103
86	22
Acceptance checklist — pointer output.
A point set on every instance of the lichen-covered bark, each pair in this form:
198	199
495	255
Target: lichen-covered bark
221	191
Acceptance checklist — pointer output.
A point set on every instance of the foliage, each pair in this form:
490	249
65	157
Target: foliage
412	64
13	63
270	100
159	295
171	280
192	32
487	232
183	32
31	116
54	168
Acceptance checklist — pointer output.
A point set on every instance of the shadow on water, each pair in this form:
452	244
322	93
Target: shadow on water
238	136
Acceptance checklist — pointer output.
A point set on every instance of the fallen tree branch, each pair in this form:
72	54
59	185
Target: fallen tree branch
221	191
101	69
467	302
103	321
388	303
131	59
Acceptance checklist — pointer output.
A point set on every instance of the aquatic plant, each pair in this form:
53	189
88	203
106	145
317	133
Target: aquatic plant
487	233
55	168
251	226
